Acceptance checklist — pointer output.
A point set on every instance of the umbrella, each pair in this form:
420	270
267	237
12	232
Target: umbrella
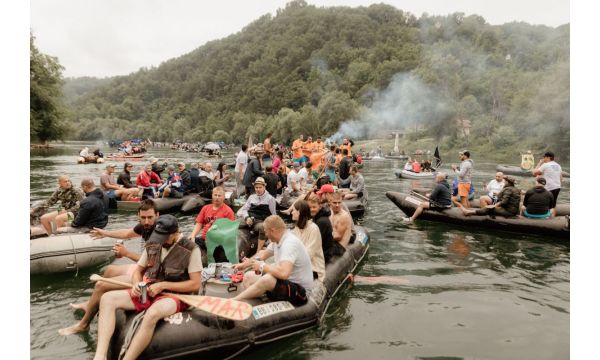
211	146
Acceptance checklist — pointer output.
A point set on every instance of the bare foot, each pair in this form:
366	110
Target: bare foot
80	306
73	329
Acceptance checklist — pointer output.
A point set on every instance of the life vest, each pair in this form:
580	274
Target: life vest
175	264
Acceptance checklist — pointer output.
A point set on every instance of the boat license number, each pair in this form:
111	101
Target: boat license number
272	308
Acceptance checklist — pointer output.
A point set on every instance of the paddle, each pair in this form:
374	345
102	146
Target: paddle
414	193
226	308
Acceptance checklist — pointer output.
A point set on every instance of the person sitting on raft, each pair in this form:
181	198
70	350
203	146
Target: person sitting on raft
148	180
439	198
124	177
186	177
320	214
69	198
341	220
408	165
256	209
357	184
165	249
293	180
538	201
289	278
93	209
156	167
112	189
147	215
253	170
173	186
493	188
308	232
206	218
416	167
507	204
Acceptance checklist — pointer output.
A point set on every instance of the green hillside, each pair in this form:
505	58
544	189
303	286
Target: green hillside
310	69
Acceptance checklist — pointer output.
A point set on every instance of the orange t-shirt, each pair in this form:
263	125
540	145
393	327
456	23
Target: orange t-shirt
307	148
338	158
297	152
315	159
319	146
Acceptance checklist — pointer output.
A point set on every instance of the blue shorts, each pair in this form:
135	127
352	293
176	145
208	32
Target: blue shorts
538	216
111	194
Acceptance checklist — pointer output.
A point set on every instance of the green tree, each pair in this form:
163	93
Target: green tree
45	93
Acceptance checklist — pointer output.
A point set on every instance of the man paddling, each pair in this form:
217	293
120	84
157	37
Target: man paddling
147	215
165	249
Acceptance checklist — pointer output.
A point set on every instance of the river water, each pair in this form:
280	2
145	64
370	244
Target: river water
464	293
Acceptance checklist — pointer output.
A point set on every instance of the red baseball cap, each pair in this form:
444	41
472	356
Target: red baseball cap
327	188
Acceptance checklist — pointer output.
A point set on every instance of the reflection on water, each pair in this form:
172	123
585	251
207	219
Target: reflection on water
471	293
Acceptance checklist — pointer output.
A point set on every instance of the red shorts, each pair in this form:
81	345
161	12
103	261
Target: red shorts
139	307
463	189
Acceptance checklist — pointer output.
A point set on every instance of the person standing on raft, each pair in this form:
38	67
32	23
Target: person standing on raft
464	177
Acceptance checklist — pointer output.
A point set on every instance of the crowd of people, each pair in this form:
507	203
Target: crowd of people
317	176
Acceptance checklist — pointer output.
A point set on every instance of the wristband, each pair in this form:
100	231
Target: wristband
262	268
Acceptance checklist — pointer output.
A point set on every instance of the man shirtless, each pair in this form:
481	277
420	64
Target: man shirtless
341	220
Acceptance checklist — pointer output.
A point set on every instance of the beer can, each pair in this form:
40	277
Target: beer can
143	292
119	242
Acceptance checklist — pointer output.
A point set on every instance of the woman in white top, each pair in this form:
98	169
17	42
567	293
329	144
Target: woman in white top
408	165
310	235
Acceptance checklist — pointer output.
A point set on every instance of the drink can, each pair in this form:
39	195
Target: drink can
143	292
119	242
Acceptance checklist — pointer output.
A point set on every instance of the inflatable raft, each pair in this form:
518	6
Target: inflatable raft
125	157
515	170
67	252
557	226
196	202
92	159
397	157
194	334
405	174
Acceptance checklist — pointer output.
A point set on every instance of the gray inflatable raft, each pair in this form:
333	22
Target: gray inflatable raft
556	227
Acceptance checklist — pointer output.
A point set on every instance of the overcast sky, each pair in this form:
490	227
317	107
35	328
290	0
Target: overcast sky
116	37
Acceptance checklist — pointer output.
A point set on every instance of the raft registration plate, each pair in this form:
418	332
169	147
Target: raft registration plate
268	309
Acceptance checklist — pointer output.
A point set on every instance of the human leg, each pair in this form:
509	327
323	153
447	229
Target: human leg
109	303
158	310
350	196
463	192
261	286
91	306
46	221
484	201
262	238
424	205
61	220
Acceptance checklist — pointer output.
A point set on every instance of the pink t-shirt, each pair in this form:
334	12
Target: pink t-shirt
276	164
208	215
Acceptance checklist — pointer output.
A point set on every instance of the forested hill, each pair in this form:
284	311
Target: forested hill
309	69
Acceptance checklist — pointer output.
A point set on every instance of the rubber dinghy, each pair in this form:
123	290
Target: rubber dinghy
166	205
405	174
357	207
557	226
515	170
67	252
194	334
561	209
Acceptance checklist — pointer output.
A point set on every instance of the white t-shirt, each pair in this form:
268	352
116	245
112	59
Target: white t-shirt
195	264
303	176
291	249
293	177
494	187
242	158
551	172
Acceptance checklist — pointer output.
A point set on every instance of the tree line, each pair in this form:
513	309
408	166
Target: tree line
308	69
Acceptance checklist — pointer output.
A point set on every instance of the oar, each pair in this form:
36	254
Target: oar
226	308
423	197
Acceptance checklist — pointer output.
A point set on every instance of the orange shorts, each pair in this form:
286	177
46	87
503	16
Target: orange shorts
463	189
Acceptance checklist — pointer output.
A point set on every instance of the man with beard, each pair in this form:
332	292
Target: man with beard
69	199
320	214
147	215
165	249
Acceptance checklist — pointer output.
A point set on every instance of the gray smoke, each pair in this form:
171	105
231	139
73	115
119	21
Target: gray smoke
406	103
